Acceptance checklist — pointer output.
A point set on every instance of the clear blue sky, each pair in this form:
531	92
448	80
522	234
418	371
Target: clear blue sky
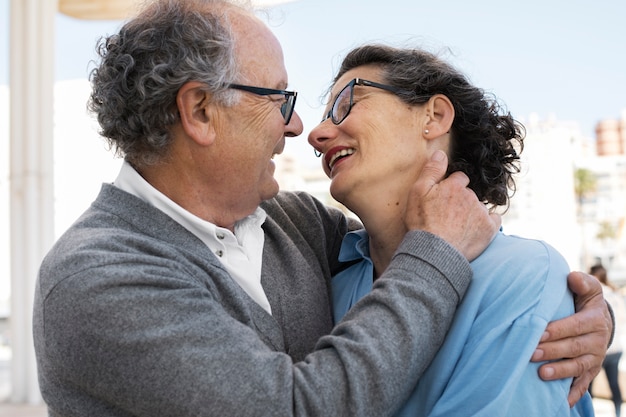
561	57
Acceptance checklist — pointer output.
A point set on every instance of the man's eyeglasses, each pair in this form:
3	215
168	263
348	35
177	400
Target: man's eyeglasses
286	108
343	102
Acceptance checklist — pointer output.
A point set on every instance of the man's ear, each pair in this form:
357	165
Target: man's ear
194	106
440	113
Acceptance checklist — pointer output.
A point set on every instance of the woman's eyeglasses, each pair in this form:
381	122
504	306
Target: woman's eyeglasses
343	102
286	108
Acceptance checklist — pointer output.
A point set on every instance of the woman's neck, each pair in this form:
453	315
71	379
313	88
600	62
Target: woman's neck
385	226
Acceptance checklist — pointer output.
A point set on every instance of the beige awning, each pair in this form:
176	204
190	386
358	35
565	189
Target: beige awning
119	9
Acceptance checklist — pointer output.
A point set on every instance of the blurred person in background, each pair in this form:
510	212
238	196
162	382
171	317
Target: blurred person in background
614	354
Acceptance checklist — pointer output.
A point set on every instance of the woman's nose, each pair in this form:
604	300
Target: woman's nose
318	137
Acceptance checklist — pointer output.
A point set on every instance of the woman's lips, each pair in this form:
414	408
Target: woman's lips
335	154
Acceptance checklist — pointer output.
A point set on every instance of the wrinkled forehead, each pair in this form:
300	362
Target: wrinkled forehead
258	51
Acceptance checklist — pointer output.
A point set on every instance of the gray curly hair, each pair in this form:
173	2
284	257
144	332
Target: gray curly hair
143	66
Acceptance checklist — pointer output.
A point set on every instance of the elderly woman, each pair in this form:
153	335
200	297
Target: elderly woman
390	111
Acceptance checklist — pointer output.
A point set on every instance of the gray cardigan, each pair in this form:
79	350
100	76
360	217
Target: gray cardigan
134	316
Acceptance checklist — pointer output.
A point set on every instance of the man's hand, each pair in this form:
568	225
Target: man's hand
583	337
450	210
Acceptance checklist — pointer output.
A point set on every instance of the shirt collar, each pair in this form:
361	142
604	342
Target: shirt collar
130	181
355	245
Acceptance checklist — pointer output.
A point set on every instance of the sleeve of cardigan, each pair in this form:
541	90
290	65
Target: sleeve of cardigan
375	355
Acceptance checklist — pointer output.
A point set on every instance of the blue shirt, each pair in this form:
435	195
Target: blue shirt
483	367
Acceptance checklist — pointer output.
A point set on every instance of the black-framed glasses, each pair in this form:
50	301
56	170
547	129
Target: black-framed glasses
342	104
286	108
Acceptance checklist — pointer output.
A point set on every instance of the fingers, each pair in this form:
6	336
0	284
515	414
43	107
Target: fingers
569	368
589	297
564	369
592	313
565	348
448	208
582	337
583	334
433	171
585	322
583	284
578	389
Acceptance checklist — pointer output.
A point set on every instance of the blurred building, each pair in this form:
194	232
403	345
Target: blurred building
605	208
585	228
611	136
544	204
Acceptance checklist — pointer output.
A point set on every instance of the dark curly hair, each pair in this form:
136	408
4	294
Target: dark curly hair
485	141
143	66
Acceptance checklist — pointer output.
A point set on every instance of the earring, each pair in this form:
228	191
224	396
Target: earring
426	131
317	153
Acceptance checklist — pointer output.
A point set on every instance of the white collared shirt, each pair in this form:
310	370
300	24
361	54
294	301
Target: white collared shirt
241	253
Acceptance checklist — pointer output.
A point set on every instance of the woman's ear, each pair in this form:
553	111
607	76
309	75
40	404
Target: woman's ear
194	106
440	113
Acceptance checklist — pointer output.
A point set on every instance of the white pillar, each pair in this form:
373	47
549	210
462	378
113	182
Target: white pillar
31	184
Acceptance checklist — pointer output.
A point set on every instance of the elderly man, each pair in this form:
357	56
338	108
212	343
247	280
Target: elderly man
192	287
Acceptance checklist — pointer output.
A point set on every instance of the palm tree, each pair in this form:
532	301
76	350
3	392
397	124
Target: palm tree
607	231
585	183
